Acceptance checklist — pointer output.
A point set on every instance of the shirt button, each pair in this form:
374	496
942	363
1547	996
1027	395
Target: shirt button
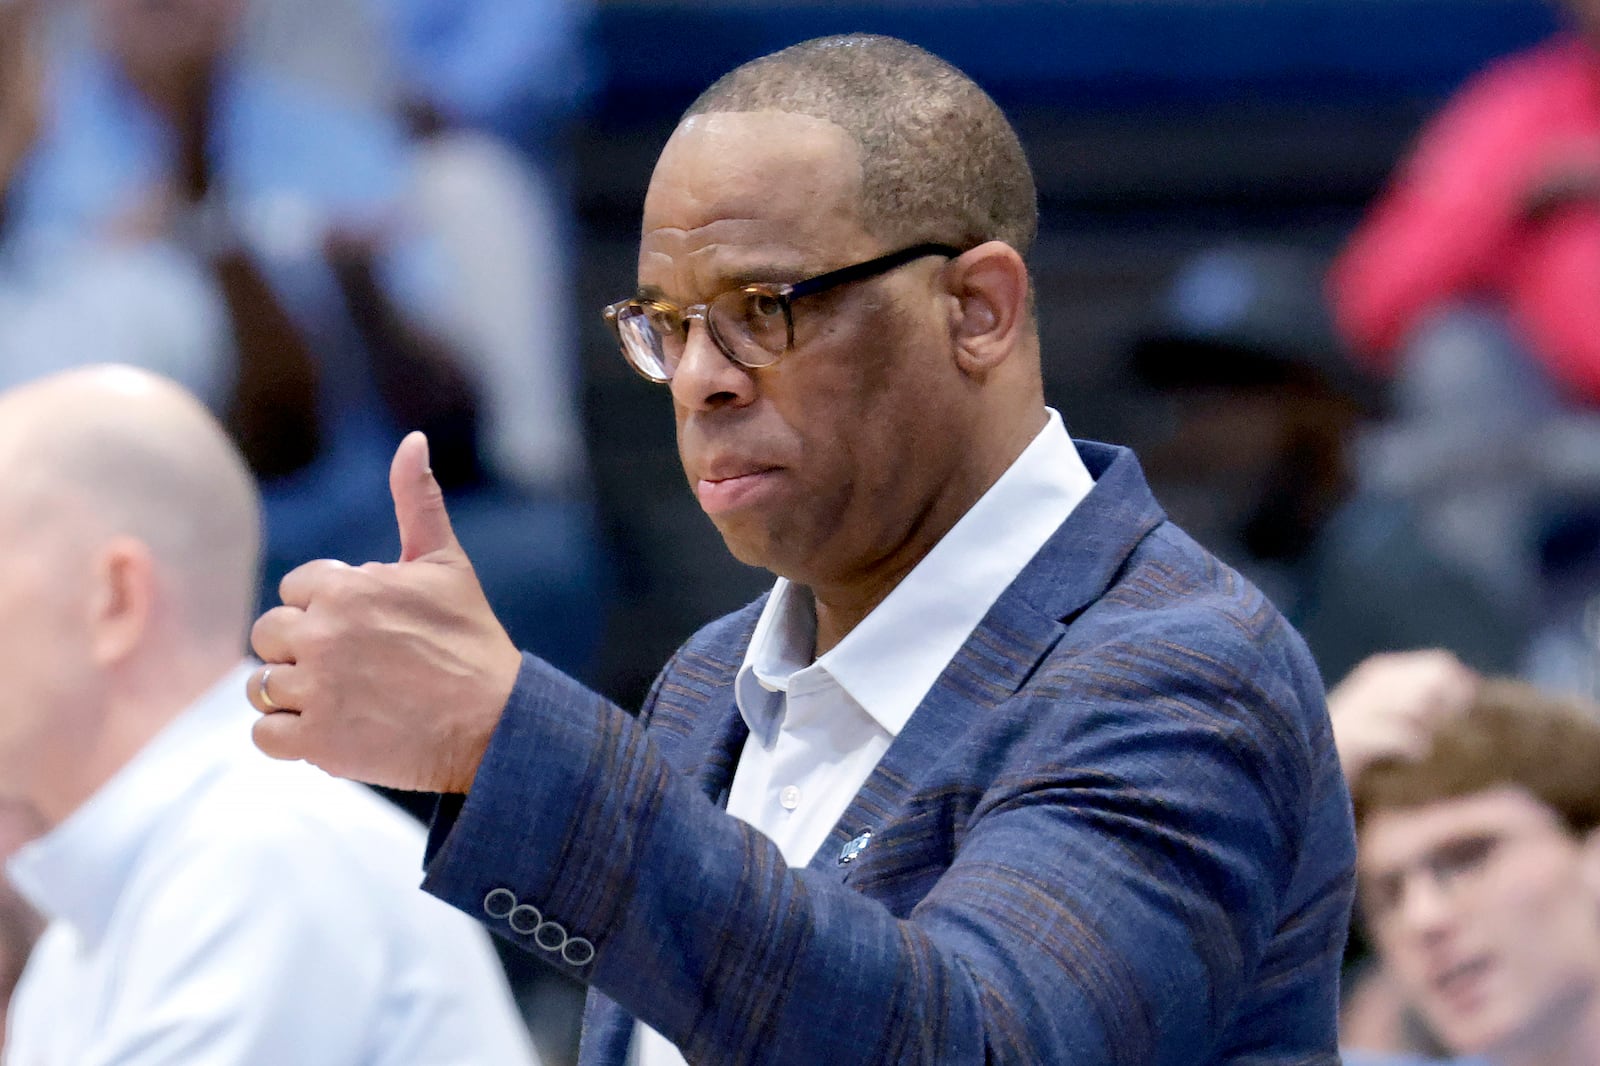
789	797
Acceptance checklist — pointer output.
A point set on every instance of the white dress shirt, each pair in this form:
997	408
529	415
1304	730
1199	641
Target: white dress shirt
211	905
819	726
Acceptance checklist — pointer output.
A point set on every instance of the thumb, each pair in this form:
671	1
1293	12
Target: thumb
418	502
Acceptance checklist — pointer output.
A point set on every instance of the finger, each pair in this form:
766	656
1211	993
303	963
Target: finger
272	636
1413	747
301	584
1452	692
1395	743
418	502
1465	688
275	688
280	735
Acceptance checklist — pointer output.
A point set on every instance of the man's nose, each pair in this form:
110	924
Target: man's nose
1427	906
706	377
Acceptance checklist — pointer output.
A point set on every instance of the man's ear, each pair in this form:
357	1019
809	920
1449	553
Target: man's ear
122	600
989	285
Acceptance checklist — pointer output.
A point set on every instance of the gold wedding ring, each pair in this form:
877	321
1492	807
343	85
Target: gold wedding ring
266	697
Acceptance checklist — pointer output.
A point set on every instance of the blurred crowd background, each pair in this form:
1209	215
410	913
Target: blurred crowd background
1372	389
342	219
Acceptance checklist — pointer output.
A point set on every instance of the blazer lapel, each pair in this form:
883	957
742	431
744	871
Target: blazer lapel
695	721
989	668
1074	569
719	741
1083	559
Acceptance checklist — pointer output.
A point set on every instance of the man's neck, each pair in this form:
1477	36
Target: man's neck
841	608
842	605
133	710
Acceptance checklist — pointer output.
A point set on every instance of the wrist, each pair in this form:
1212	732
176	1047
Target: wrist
474	741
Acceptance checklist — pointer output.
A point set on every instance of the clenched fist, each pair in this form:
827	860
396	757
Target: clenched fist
389	673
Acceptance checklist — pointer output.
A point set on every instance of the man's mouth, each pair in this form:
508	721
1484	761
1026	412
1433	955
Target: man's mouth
728	490
1460	982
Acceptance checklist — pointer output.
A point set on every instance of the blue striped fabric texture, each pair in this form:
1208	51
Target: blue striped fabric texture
1114	834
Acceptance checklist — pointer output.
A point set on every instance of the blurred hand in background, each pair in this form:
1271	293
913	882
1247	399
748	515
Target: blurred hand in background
1389	705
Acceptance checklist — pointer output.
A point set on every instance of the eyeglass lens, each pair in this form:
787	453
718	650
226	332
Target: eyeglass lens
750	326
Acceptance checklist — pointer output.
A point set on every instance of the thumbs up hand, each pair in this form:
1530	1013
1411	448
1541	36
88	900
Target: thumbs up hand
390	673
419	507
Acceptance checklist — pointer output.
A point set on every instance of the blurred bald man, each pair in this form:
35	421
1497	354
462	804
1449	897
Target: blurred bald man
206	903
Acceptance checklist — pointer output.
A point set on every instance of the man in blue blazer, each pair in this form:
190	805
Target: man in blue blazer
1005	769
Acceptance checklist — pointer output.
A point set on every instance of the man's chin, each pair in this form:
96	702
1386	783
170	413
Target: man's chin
1486	1035
754	543
744	544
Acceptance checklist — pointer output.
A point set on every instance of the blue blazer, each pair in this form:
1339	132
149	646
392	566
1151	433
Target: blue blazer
1115	833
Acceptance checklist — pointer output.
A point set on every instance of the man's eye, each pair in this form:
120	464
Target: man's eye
1381	895
664	322
1464	857
763	306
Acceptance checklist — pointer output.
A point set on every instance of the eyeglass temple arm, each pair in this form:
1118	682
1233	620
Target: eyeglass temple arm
881	265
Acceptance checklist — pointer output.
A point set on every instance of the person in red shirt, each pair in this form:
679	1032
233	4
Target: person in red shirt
1499	203
1474	284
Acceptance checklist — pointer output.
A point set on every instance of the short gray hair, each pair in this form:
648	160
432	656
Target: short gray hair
940	162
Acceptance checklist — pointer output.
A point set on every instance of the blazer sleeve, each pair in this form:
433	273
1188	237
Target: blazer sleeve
1113	890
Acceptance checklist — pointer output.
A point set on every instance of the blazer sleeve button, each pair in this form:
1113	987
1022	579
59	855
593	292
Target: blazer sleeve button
577	952
499	903
525	919
550	936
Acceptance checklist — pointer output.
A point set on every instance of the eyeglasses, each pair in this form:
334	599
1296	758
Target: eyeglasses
752	325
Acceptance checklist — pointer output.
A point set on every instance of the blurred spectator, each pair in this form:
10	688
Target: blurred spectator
207	904
21	88
1478	818
137	304
502	231
1259	463
340	312
1473	282
1499	202
1391	706
1388	707
488	89
516	68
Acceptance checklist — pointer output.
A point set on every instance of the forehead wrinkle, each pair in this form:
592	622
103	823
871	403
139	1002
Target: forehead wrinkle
721	255
735	236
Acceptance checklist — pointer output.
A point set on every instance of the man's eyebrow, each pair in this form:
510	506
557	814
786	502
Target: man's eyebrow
764	275
761	275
